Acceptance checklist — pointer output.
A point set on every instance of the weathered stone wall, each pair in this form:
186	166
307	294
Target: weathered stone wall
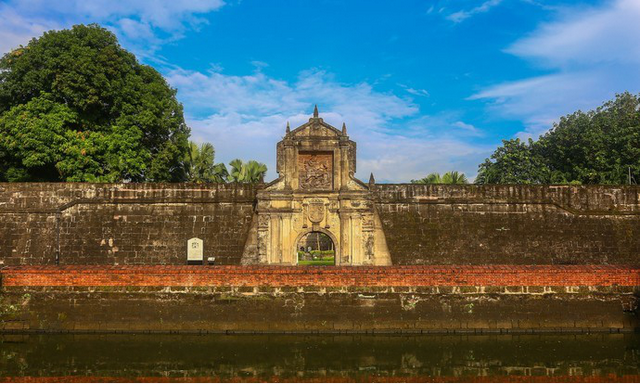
117	224
510	224
306	299
344	310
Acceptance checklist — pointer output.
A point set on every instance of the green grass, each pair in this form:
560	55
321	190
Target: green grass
316	262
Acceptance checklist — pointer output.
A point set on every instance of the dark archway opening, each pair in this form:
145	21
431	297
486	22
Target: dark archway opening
316	248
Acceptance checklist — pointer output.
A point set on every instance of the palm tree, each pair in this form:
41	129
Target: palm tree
255	171
201	167
237	171
249	172
432	178
452	177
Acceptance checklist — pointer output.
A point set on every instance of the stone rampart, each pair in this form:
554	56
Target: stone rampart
148	224
121	224
510	224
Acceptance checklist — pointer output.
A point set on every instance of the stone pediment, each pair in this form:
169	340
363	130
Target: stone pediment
316	127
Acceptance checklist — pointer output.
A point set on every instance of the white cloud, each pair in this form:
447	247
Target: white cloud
16	29
141	25
415	91
462	15
594	53
245	116
608	34
470	128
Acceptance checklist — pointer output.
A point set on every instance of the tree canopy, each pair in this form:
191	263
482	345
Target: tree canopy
75	106
601	146
452	177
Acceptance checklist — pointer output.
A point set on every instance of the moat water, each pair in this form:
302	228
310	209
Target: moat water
194	358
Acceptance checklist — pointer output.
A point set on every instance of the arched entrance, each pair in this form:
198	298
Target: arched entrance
316	248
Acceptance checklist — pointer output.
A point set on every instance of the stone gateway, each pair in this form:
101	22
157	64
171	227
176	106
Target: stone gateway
316	191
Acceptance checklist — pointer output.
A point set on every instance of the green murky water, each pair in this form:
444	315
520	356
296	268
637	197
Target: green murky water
599	357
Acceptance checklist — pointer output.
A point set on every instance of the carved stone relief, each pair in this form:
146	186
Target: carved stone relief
315	170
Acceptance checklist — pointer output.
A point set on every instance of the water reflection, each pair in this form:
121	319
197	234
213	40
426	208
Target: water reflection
599	357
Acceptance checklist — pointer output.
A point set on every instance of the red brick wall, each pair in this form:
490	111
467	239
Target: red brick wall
396	276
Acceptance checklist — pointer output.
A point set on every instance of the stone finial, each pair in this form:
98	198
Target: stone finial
315	111
288	128
344	129
372	180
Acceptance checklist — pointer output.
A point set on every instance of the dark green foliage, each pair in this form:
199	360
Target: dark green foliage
75	106
516	162
595	147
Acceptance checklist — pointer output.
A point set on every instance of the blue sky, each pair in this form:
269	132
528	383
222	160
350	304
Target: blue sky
423	86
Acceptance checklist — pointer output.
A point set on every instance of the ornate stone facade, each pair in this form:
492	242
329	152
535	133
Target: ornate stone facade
316	191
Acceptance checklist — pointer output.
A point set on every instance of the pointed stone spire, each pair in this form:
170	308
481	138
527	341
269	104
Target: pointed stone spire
344	129
288	128
315	111
372	180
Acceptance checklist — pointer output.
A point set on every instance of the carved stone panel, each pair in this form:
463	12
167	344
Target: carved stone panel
315	170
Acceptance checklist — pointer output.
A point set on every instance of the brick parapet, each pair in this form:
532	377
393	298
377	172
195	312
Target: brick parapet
281	276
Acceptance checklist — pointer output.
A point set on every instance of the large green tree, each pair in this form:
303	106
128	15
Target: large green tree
601	146
75	106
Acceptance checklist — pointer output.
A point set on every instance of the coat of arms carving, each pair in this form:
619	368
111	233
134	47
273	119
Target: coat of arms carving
316	211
